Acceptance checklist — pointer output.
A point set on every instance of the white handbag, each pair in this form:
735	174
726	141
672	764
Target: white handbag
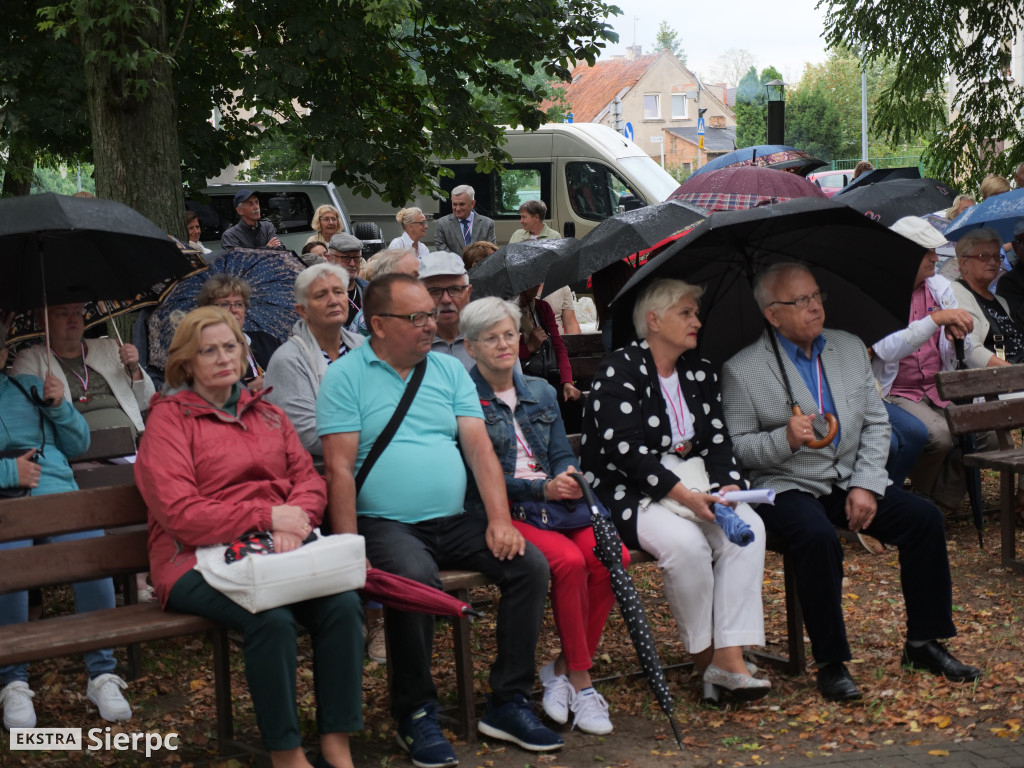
693	475
329	565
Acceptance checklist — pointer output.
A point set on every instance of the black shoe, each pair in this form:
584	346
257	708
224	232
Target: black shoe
934	657
835	683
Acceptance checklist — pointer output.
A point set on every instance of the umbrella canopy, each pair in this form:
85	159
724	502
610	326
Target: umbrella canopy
513	268
27	326
60	250
777	156
739	188
888	201
608	550
620	236
270	274
881	174
1000	212
867	269
404	594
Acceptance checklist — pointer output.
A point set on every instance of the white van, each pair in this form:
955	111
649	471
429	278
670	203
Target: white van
584	172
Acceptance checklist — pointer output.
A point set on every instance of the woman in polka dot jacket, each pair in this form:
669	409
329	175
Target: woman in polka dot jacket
650	409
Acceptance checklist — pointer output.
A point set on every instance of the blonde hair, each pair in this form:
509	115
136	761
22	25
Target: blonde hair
185	344
221	286
386	262
406	215
950	213
993	185
315	223
658	297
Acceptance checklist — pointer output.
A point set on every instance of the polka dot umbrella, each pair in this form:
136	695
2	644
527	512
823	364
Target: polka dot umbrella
609	552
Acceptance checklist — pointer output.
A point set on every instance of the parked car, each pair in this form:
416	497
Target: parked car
831	181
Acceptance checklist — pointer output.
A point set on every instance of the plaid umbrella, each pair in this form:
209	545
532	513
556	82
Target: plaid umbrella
738	188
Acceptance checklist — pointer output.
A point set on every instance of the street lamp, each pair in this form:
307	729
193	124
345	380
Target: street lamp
776	133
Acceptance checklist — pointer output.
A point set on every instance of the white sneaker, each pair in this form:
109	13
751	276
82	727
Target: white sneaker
16	699
105	692
591	712
557	694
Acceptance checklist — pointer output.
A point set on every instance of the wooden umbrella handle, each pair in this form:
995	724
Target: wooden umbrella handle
833	427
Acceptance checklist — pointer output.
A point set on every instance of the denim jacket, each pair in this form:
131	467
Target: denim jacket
539	419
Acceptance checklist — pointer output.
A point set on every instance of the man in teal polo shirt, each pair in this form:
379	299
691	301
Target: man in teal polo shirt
410	511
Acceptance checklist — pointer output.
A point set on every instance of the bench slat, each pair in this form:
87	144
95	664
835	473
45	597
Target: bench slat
981	417
583	344
980	382
1011	460
66	562
57	513
65	635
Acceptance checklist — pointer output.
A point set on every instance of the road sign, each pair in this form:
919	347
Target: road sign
700	126
628	131
655	139
700	141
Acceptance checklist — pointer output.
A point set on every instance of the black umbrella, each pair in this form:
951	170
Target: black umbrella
866	269
609	552
888	201
60	250
620	236
513	268
881	174
972	475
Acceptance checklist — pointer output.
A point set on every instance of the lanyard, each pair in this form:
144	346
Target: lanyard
821	394
677	411
85	370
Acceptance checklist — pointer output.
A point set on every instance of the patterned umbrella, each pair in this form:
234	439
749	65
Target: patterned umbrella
26	327
1000	212
609	552
775	156
738	188
270	274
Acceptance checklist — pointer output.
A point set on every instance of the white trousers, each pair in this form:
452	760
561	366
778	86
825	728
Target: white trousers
713	586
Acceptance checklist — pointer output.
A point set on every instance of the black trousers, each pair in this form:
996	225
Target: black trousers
912	524
418	551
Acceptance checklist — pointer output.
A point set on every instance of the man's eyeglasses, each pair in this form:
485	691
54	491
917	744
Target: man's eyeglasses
418	319
452	290
490	342
983	257
230	305
803	302
351	258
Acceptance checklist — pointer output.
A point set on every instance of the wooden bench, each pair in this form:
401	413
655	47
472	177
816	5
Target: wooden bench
1000	416
585	355
121	553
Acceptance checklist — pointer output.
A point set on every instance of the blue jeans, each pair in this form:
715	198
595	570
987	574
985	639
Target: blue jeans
89	596
906	442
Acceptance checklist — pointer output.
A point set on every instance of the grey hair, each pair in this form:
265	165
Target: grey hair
657	298
534	208
765	282
464	189
406	215
485	313
316	272
976	237
385	262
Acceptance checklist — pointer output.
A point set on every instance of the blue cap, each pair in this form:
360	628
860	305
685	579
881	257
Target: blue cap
242	195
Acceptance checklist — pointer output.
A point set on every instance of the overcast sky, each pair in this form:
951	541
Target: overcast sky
783	34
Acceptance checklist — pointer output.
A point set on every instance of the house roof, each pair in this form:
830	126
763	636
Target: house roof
715	139
591	88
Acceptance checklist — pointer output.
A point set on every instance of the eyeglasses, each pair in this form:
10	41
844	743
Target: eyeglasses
803	302
983	257
351	258
424	222
490	342
210	352
452	290
418	319
230	305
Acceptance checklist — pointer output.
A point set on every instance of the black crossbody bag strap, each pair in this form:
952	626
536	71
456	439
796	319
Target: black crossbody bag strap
392	426
39	403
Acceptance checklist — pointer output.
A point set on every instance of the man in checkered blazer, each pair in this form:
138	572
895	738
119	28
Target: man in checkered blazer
842	484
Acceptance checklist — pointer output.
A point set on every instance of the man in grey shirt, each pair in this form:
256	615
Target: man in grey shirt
444	276
250	232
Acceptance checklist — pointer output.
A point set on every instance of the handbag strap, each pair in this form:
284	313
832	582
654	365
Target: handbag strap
39	403
392	426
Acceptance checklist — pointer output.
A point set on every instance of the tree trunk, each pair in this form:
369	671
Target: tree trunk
21	158
134	132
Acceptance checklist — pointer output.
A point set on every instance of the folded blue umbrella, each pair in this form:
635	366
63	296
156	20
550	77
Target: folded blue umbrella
736	530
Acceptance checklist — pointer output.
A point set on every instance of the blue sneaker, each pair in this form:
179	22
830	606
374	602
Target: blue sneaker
420	735
515	721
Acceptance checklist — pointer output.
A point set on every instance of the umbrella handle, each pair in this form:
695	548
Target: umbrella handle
588	492
833	427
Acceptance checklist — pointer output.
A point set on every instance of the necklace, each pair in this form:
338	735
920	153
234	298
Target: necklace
86	397
677	413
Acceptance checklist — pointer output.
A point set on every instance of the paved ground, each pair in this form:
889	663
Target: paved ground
987	753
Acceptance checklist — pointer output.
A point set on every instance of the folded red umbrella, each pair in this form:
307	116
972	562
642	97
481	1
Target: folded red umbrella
405	594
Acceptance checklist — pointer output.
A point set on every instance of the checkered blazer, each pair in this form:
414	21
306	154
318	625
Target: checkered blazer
757	410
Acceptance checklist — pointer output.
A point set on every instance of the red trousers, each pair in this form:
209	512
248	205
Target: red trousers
581	591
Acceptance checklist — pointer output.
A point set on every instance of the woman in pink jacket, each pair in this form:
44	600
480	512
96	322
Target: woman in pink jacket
217	463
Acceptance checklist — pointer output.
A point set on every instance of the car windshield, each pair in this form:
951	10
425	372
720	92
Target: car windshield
650	176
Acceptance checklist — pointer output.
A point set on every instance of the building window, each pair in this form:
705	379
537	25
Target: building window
652	106
678	106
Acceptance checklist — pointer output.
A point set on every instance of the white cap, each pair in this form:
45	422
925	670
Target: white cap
438	263
920	231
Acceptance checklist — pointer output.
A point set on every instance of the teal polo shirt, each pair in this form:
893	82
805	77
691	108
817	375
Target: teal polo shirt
420	476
